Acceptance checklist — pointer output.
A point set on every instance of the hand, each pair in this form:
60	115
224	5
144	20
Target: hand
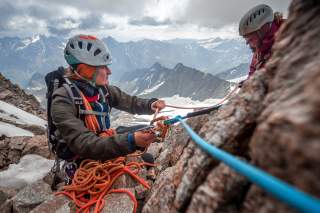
159	104
144	138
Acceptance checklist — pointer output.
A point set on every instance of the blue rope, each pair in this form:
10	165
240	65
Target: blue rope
281	190
174	120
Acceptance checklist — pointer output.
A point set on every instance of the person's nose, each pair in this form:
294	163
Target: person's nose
108	71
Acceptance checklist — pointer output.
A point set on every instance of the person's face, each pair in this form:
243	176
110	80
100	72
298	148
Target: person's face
103	73
253	41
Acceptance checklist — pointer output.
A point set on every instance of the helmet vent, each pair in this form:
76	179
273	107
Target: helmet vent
89	46
80	44
97	52
72	46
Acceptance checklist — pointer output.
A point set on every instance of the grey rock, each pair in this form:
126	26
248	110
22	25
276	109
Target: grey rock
30	197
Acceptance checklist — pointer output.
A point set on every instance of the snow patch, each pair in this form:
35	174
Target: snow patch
177	101
10	130
211	43
147	91
30	169
12	113
38	88
26	42
237	80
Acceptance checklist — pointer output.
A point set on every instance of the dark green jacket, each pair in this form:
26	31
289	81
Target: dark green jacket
80	140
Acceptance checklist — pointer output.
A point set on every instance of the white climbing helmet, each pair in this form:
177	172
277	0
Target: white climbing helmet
255	18
87	49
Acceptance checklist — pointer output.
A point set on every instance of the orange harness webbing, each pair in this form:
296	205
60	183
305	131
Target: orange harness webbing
91	121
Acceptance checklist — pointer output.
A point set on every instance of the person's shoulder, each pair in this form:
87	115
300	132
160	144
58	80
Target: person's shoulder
61	91
111	88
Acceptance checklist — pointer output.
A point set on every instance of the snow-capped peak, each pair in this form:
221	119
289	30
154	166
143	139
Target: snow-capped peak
29	40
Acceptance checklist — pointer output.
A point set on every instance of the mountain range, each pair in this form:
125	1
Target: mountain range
26	61
235	73
159	81
21	58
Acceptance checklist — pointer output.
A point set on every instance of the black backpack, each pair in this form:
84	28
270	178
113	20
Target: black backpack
55	80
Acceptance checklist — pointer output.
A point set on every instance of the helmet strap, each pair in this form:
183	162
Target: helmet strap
94	77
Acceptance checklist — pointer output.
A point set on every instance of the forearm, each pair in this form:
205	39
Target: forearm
131	104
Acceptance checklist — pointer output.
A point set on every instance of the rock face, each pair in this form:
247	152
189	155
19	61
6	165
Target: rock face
16	96
30	197
12	149
289	125
273	122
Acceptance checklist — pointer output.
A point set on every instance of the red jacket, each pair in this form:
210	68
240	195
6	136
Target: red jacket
262	54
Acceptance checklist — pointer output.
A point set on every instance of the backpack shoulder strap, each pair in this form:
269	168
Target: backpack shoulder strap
74	93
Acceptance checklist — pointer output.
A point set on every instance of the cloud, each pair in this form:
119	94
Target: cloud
146	20
217	13
125	18
63	26
114	7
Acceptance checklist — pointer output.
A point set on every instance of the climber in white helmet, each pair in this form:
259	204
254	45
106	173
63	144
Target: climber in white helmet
258	27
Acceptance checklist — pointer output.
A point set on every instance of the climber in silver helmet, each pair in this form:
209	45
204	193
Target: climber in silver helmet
258	27
85	127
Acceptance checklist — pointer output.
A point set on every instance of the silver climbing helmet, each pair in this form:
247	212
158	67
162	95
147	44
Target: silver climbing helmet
86	49
255	18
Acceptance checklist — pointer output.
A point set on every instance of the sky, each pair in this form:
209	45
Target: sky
128	20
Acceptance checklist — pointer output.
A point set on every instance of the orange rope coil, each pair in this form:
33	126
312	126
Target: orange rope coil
93	180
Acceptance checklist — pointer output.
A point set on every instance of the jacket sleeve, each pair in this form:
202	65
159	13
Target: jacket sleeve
81	140
131	104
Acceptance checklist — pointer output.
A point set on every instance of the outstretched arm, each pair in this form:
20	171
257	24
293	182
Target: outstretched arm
128	103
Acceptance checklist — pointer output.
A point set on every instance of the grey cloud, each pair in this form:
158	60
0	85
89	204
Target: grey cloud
217	13
52	13
91	22
146	20
7	12
117	7
208	13
57	27
60	32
